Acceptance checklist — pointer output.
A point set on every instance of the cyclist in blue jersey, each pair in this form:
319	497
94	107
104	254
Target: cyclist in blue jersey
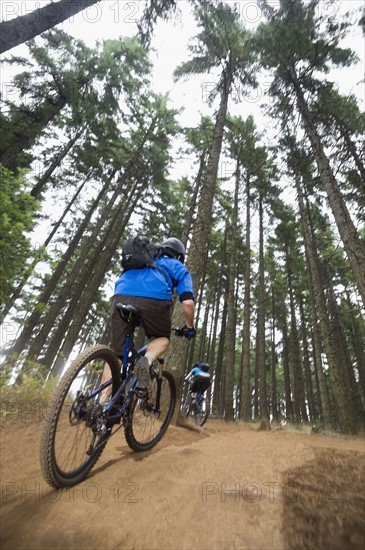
199	378
150	290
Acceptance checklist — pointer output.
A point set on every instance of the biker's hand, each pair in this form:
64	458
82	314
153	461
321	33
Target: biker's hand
188	332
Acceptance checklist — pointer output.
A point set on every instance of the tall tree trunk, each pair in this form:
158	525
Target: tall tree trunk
288	401
260	334
192	204
219	390
338	382
58	224
306	363
245	404
24	27
212	355
298	386
176	355
42	181
317	353
230	340
219	370
354	248
274	399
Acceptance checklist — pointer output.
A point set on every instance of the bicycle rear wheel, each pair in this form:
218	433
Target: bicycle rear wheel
202	415
74	433
146	425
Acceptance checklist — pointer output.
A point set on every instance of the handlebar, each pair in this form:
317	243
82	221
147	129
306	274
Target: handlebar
184	331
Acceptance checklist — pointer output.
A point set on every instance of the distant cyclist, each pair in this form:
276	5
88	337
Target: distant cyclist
199	378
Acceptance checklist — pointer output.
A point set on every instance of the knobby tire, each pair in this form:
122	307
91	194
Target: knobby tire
145	427
63	463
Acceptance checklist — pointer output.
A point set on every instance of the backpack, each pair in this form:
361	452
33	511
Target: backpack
138	252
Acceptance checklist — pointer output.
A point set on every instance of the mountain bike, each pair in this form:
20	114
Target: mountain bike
95	395
196	406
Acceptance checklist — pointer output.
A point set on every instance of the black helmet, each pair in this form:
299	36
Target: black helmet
201	365
175	247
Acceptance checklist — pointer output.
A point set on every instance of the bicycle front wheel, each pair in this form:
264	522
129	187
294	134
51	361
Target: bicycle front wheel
75	434
148	421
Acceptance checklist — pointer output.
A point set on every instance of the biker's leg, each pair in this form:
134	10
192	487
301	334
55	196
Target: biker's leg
156	321
118	327
156	348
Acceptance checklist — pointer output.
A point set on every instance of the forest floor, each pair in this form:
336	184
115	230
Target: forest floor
226	487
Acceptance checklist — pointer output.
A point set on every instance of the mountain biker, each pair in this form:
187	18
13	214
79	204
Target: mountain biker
150	291
200	378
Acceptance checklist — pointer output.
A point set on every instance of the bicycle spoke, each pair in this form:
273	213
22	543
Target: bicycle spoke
146	425
75	431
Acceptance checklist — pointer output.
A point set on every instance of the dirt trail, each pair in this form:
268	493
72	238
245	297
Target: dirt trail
227	488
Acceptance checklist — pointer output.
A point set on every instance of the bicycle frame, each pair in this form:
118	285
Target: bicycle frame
126	377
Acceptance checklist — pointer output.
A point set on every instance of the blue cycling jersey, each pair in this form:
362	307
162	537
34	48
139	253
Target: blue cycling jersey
199	372
150	282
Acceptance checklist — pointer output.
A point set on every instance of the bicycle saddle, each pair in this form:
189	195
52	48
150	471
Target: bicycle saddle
127	308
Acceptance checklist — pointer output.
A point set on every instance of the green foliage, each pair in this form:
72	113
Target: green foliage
223	44
17	217
24	393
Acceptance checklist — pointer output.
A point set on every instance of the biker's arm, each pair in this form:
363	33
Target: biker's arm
188	310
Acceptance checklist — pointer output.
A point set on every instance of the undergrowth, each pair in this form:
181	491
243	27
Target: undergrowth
24	396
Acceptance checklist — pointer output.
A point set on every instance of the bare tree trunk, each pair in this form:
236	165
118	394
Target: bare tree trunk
306	363
38	188
23	28
177	352
192	205
298	386
338	382
260	334
287	390
274	407
354	248
245	404
317	355
230	340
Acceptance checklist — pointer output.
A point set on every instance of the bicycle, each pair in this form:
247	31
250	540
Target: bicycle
196	405
96	394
